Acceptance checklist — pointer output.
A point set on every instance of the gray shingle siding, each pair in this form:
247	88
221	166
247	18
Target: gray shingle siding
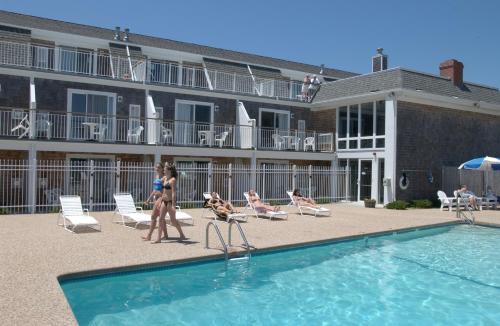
108	34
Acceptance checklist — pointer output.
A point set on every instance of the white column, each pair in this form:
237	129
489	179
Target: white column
150	119
375	177
334	177
390	149
32	171
253	176
32	112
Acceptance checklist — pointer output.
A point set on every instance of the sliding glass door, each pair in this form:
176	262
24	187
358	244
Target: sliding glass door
91	116
190	119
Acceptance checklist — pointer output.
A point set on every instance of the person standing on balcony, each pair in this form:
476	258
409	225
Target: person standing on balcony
305	88
168	199
155	199
313	87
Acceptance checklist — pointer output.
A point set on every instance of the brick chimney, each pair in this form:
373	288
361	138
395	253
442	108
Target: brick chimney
379	61
454	70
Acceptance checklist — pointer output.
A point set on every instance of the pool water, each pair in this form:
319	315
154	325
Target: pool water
447	275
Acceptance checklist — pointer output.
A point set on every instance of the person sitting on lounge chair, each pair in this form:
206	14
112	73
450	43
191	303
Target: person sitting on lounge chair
259	206
491	195
220	207
303	201
467	194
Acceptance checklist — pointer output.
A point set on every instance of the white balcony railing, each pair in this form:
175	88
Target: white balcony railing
70	60
17	123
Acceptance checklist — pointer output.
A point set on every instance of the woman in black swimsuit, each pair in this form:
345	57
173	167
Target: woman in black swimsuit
168	203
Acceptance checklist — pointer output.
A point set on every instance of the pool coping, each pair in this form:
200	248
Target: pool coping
68	277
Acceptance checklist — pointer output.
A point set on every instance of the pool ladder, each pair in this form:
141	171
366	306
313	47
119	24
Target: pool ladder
224	245
467	216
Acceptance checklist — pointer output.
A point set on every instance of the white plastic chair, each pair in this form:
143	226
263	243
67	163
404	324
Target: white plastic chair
23	125
73	215
221	139
270	215
134	134
100	133
446	201
166	134
321	211
309	143
130	213
278	141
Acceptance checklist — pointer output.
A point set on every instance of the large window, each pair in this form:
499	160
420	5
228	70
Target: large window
361	126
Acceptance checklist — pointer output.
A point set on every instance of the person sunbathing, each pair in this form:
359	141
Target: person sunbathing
303	201
220	206
470	196
259	206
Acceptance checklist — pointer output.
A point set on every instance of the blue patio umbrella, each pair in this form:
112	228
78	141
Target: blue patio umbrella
486	163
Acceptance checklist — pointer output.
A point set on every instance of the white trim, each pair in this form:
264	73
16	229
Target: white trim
267	161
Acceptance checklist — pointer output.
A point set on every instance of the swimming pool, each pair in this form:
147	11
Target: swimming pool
446	275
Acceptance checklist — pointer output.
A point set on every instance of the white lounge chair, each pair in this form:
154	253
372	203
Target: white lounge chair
446	201
320	211
489	202
271	215
233	216
73	215
181	216
129	213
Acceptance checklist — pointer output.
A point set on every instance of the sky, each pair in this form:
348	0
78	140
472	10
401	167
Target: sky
340	34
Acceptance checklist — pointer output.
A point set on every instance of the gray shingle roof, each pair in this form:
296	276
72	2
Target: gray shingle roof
108	34
406	79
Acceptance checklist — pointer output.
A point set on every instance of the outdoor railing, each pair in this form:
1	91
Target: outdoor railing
35	185
71	60
17	123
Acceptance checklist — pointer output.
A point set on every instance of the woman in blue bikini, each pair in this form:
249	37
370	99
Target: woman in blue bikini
155	199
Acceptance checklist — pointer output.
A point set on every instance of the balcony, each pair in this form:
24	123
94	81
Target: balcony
42	125
89	63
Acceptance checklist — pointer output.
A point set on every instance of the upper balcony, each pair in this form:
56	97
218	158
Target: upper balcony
144	70
73	127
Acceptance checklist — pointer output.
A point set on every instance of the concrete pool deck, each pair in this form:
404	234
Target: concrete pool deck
35	251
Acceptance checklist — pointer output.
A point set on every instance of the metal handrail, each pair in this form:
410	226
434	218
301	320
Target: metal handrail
247	246
463	215
220	238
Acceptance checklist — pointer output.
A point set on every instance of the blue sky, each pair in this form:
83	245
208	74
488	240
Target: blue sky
341	34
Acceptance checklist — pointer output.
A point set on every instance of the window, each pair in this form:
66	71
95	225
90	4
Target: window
342	129
361	126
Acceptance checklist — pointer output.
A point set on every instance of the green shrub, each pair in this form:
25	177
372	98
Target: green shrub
422	203
323	201
398	204
4	211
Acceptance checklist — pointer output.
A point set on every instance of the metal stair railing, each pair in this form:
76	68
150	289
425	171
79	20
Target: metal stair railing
220	238
466	215
242	234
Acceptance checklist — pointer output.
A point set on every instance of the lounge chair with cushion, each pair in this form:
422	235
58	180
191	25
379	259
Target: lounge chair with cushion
270	215
129	213
73	215
320	211
224	216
